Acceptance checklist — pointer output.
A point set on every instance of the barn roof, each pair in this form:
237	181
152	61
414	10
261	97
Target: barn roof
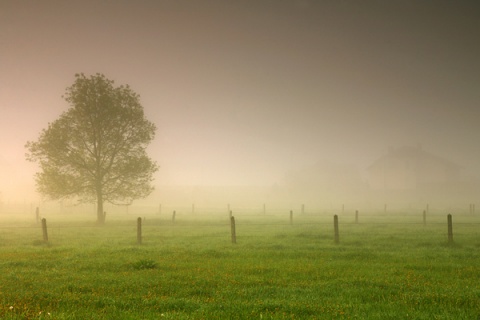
409	152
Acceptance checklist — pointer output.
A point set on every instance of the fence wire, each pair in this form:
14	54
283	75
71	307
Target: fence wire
248	226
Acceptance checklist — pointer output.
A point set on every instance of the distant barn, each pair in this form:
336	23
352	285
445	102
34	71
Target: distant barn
410	168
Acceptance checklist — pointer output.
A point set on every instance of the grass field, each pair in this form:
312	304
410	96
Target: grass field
385	267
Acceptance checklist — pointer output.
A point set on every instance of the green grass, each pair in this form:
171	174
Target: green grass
385	267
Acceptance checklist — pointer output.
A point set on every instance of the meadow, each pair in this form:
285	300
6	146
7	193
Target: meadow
386	266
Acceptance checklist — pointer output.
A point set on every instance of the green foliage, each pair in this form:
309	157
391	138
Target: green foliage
96	149
144	264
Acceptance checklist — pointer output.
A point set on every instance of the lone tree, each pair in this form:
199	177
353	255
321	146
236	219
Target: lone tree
95	151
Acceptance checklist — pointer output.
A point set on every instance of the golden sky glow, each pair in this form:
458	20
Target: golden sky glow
243	91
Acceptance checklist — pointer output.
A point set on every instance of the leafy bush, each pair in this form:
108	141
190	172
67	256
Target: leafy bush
144	264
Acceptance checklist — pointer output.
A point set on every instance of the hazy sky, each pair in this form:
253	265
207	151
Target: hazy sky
243	91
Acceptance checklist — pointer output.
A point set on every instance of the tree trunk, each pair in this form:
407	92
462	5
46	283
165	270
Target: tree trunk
100	212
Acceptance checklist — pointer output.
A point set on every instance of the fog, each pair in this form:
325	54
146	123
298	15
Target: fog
279	102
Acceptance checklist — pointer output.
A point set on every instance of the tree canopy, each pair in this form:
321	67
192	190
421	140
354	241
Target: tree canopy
96	150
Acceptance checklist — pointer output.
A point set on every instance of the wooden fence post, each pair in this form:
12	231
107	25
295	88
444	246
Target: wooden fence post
233	231
450	229
424	218
173	217
139	230
335	227
44	229
356	216
291	217
303	208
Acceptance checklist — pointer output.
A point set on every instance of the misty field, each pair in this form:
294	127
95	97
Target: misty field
386	266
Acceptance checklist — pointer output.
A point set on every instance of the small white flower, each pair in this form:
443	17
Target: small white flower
11	308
